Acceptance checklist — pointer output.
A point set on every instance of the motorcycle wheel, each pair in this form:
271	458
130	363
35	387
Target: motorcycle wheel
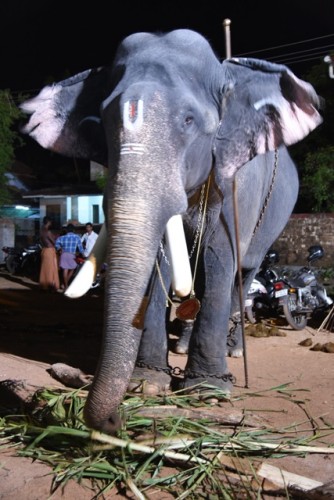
297	321
31	266
11	264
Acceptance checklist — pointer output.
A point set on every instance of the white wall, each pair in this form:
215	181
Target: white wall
85	208
74	208
7	235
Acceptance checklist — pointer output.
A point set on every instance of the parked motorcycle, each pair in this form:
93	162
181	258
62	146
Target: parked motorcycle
261	301
296	296
23	261
305	296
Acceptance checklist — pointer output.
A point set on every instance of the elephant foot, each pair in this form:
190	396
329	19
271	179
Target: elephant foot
235	353
180	348
149	382
211	389
182	345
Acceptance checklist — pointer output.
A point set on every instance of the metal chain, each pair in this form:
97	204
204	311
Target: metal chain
198	227
232	341
177	371
266	201
168	299
163	253
226	377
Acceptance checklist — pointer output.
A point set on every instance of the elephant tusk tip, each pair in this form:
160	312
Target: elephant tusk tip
83	281
72	295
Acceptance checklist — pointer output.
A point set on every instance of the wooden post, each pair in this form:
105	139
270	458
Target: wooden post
228	52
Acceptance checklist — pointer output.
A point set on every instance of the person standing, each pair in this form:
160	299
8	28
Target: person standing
49	274
88	239
69	244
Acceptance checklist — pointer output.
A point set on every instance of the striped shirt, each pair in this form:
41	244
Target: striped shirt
70	243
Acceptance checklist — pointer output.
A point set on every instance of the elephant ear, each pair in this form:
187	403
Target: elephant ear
264	106
65	117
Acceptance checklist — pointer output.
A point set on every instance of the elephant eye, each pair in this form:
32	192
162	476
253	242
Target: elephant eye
188	120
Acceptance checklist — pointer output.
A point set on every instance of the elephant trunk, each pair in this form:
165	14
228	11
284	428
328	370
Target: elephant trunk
132	248
147	189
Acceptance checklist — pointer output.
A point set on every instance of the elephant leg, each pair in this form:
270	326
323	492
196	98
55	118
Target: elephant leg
182	345
207	362
152	374
207	352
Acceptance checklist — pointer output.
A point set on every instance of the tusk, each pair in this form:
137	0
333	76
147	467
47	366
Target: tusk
85	277
178	252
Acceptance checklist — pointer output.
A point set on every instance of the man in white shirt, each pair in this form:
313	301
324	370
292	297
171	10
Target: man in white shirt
88	239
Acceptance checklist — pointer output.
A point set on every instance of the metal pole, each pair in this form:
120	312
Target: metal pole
226	25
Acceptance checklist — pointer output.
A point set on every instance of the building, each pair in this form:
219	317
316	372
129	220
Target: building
76	203
73	203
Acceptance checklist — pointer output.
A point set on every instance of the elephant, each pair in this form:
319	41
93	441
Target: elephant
167	117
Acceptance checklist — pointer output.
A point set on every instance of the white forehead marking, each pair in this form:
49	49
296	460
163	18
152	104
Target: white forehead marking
132	148
133	114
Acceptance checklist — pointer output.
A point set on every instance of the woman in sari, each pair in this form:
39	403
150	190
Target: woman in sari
49	274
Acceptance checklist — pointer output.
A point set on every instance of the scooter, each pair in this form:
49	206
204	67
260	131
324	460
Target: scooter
23	261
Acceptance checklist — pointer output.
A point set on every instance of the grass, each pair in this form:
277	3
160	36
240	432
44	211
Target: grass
173	444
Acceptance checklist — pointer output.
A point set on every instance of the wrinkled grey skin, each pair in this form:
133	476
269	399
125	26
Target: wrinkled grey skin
199	116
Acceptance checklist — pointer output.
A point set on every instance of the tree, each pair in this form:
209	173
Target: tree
318	179
314	155
9	139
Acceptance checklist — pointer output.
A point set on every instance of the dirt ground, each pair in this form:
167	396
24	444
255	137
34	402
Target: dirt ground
39	329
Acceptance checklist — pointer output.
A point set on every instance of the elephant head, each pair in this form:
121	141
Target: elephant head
162	116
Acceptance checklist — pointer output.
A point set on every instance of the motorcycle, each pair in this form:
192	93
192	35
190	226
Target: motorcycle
23	261
262	301
304	296
296	296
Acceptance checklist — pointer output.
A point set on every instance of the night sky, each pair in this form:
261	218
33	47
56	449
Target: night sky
43	41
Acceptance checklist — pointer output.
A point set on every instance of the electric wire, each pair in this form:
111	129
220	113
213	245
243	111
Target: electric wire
296	57
287	45
305	55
